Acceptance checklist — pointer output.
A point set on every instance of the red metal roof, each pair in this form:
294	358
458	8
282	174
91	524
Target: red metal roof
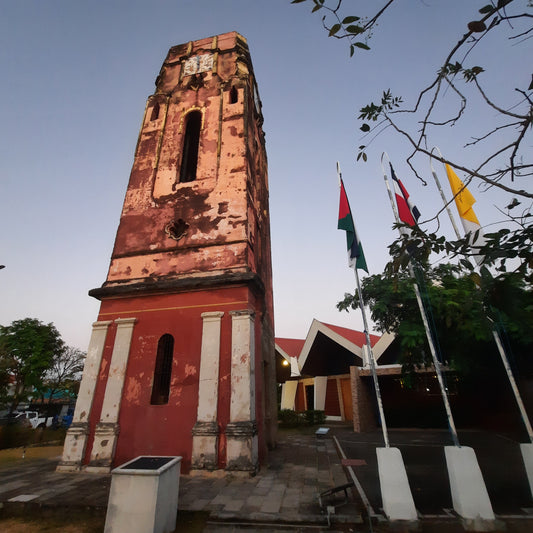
291	347
357	337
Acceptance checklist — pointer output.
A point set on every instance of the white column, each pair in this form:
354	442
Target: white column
241	432
321	384
76	438
295	370
205	431
105	437
288	394
366	356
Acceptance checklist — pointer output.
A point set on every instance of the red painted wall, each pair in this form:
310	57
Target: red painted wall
147	429
332	407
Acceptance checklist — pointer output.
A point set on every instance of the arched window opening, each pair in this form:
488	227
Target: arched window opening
233	95
163	370
155	112
189	160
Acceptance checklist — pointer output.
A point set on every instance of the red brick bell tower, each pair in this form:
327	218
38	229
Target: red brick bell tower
181	359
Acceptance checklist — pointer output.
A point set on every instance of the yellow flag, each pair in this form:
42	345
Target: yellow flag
463	197
464	202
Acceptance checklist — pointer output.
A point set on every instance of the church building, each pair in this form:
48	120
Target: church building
181	359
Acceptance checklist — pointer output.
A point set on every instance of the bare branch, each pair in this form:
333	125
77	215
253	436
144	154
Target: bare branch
494	106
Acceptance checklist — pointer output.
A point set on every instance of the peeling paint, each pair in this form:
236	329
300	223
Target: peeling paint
132	390
222	208
190	370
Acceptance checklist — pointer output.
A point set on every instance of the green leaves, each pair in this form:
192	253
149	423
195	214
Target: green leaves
354	30
343	28
373	111
470	74
370	112
318	5
452	69
334	29
349	20
459	311
27	349
486	10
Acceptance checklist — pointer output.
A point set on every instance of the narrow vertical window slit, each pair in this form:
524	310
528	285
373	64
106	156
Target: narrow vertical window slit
155	112
233	95
191	143
163	370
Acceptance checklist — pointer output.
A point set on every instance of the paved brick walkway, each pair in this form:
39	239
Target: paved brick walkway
284	493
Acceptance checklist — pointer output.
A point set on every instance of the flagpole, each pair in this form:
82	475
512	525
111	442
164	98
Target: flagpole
423	314
372	363
495	333
369	347
442	195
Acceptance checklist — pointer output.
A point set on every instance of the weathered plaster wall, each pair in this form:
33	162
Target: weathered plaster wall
224	233
146	429
226	207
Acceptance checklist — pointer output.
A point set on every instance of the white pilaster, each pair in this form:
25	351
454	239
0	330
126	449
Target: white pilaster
107	429
288	394
76	438
295	369
366	356
241	432
321	384
205	431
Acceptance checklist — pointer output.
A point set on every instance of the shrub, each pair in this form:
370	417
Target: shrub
290	419
314	417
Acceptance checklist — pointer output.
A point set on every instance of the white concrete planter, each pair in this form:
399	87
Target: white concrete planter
144	496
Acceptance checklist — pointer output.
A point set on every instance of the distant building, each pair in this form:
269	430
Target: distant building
316	373
327	371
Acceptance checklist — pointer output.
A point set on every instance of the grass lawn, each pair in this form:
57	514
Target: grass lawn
70	524
12	456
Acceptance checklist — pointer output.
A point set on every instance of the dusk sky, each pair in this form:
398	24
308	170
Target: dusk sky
75	79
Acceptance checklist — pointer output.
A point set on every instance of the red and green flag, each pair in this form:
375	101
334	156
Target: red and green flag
356	257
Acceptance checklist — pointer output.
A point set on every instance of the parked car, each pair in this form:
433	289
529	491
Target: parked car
32	419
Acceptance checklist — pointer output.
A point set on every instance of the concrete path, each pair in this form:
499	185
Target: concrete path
285	492
283	496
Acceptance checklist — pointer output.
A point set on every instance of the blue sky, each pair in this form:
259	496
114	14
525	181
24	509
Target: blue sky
75	78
